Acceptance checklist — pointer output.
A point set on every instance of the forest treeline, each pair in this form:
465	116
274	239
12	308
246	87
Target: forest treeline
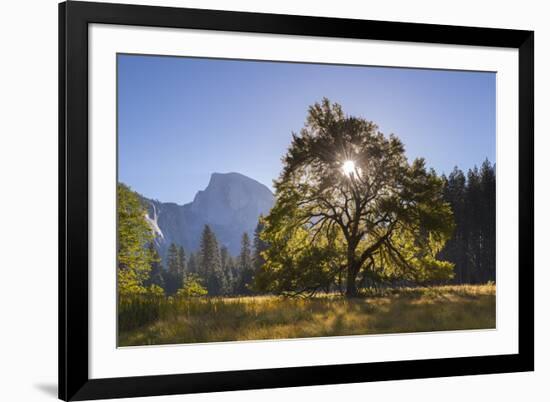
211	267
472	247
351	212
212	270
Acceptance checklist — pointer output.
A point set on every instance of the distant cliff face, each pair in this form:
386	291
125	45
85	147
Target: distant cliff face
230	204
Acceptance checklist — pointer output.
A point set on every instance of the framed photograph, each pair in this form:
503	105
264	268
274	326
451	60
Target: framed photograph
257	201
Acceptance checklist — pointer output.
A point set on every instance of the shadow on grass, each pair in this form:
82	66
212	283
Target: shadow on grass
440	313
255	318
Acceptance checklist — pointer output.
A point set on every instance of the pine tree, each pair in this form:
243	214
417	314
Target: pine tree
228	270
182	261
488	221
474	216
192	264
156	273
176	269
472	247
210	267
245	266
455	249
259	246
173	259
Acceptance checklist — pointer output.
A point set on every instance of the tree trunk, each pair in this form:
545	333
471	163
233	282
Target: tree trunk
351	282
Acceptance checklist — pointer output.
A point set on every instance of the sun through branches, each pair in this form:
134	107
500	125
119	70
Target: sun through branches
350	209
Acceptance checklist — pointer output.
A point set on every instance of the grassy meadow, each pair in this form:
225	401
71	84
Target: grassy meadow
160	320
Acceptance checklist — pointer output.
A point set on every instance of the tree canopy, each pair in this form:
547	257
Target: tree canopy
350	207
210	266
134	236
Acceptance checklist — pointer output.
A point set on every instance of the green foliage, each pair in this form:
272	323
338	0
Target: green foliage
155	290
229	270
245	266
134	234
192	287
209	264
176	260
182	261
384	218
296	264
260	246
156	276
176	268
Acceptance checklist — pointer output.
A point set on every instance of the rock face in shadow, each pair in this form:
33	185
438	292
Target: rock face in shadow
230	204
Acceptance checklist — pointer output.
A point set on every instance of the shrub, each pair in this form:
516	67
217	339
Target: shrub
192	287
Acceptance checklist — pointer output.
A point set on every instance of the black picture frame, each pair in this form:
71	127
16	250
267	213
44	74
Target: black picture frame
74	381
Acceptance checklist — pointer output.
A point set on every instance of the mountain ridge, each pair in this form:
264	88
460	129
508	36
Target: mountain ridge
230	204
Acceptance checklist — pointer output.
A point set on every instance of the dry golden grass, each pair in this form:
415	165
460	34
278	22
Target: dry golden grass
269	317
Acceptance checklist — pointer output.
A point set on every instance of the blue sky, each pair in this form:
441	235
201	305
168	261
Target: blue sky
181	119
